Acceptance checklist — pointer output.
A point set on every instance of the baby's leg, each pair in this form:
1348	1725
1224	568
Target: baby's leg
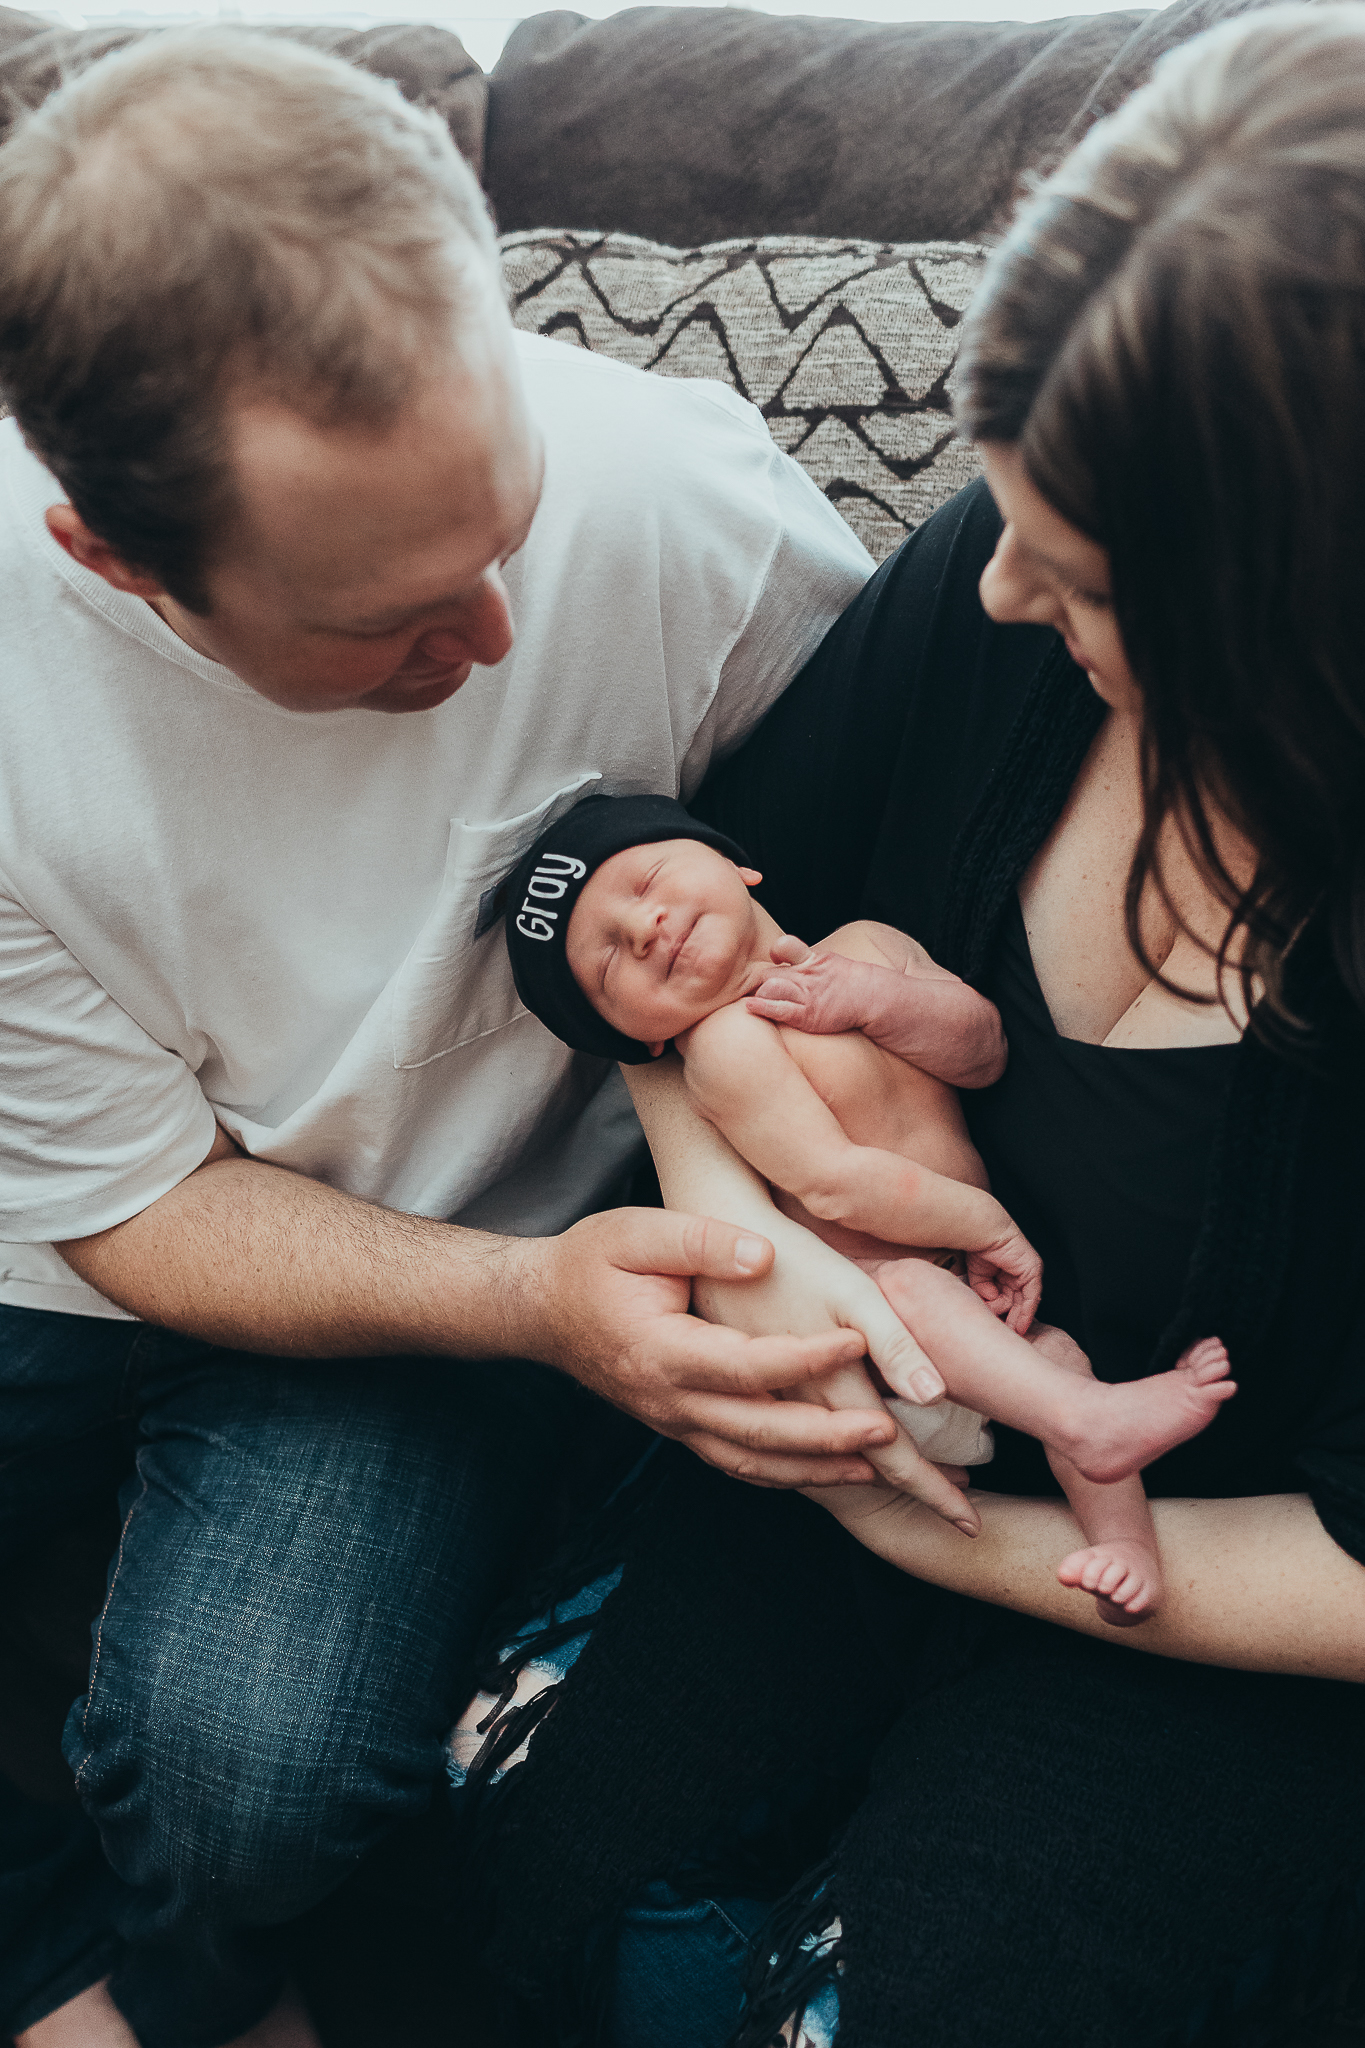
1106	1432
1121	1565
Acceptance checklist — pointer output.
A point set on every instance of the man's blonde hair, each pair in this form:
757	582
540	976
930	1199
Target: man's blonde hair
209	209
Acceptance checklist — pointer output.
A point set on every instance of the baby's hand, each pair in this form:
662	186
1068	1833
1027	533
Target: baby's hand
1008	1275
820	992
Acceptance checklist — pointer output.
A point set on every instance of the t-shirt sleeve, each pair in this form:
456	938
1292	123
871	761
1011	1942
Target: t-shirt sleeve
816	568
96	1119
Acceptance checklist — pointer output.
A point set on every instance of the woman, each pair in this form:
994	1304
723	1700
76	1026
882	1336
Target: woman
1127	801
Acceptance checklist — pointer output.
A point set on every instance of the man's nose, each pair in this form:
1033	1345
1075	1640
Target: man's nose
484	635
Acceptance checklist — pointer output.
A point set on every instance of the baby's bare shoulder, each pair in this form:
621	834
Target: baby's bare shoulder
728	1050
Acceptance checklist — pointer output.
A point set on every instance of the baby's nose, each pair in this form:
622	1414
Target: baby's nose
647	928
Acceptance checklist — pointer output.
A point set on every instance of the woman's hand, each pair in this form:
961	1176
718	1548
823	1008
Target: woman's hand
818	992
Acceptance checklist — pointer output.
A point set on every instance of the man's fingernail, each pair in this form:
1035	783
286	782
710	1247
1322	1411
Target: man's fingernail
927	1385
748	1253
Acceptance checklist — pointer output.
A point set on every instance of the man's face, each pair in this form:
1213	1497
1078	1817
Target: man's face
363	568
662	935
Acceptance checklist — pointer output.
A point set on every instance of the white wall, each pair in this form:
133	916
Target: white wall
484	34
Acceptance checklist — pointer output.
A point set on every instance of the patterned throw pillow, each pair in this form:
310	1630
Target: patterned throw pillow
846	348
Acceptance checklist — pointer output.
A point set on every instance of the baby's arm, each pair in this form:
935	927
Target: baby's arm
742	1078
871	978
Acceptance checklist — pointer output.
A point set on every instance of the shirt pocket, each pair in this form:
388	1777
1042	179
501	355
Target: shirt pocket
456	985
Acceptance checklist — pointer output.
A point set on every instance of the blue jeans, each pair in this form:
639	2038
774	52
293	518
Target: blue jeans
308	1551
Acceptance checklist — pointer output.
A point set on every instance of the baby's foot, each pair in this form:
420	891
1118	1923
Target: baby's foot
1124	1427
1124	1576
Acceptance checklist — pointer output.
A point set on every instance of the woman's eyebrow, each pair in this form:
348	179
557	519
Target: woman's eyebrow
1069	574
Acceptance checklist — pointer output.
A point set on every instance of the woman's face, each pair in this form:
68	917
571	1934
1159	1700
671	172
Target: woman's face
1045	572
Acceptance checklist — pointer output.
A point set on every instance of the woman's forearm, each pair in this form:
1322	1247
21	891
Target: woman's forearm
699	1171
1256	1584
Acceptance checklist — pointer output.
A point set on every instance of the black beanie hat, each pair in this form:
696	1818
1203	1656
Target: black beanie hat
543	888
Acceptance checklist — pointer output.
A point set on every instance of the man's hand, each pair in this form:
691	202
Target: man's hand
608	1302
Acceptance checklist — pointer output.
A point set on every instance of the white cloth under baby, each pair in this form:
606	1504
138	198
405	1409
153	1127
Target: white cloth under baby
946	1433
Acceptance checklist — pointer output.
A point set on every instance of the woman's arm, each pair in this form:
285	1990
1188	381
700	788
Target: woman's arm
1255	1584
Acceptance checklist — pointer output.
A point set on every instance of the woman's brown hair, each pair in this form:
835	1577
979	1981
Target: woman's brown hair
1173	335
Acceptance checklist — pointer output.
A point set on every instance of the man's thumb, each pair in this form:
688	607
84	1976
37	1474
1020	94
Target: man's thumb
703	1247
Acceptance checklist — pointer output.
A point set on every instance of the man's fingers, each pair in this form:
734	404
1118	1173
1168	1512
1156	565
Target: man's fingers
787	1428
767	1469
905	1368
718	1360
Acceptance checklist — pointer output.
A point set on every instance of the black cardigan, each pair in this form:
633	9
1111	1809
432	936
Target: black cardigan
910	774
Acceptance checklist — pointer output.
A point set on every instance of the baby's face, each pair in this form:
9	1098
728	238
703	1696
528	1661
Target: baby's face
662	935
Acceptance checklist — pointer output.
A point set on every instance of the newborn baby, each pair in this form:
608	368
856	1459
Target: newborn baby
630	925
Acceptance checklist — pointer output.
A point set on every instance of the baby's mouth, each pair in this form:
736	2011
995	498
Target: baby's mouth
676	953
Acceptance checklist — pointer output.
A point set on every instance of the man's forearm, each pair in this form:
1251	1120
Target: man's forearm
248	1255
1255	1584
256	1259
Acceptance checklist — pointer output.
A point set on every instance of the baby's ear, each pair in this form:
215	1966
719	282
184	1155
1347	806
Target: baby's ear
750	877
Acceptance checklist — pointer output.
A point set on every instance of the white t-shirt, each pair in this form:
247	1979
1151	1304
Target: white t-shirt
213	907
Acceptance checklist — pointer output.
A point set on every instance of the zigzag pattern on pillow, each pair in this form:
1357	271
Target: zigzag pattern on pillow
847	348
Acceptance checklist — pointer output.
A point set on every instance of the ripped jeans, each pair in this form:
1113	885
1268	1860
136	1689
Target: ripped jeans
685	1964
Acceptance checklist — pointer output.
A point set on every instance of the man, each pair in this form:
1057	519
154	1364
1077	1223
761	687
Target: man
279	465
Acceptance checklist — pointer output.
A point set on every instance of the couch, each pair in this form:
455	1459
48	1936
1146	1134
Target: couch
795	204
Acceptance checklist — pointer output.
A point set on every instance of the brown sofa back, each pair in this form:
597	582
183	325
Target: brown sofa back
429	65
692	125
698	124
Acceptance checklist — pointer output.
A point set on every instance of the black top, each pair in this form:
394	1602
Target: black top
1101	1155
909	774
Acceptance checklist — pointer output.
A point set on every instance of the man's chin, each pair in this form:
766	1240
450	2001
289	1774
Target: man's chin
398	695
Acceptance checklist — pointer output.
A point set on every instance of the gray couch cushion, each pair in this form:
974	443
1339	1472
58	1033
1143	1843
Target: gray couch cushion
430	66
692	124
845	347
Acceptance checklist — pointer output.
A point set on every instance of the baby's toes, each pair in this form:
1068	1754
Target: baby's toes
1097	1567
1071	1570
1207	1360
